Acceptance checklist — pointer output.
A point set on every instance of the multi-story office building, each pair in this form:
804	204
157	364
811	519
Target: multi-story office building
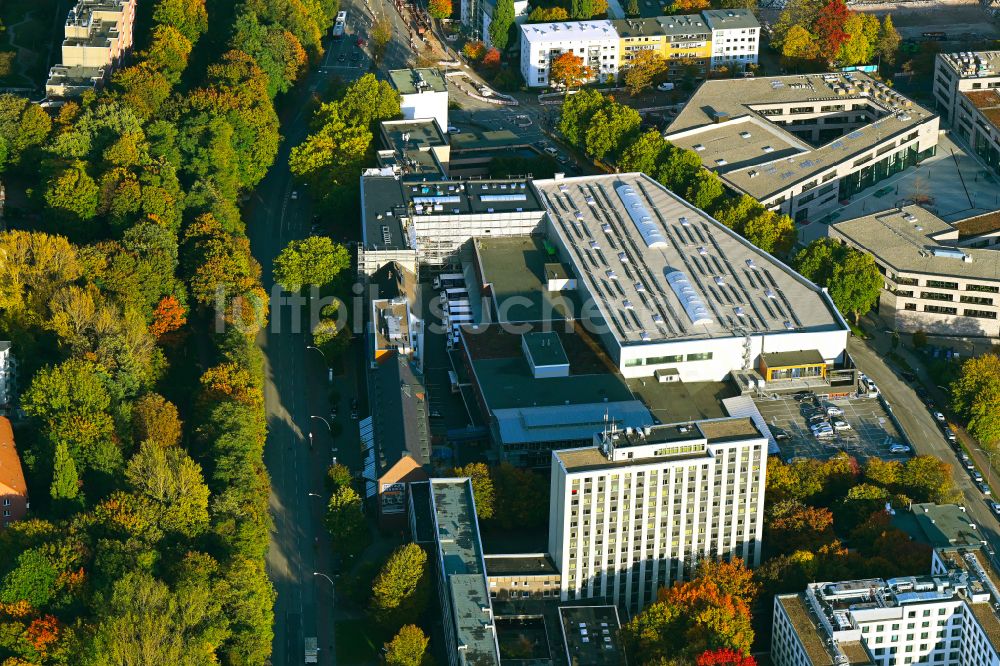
930	282
629	514
682	41
97	35
947	618
803	144
596	42
415	222
674	294
735	38
967	96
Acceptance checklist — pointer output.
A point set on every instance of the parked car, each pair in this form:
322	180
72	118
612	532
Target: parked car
665	86
779	434
977	476
949	435
802	395
834	411
869	386
551	151
899	448
995	507
453	130
983	488
839	425
295	195
817	419
909	377
939	417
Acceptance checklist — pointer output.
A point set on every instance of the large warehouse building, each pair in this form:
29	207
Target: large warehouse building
675	294
802	144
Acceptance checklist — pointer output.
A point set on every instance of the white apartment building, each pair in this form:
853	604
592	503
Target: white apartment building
803	144
629	514
8	374
97	36
930	283
423	95
735	38
948	618
596	42
966	93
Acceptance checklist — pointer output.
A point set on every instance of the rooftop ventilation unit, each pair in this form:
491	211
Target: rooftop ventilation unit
740	312
770	294
627	304
721	162
610	274
644	336
684	221
768	149
950	253
702	251
622	257
788	326
640	287
594	245
719	280
751	265
685	293
698	147
578	214
643	221
590	200
657	319
744	135
606	228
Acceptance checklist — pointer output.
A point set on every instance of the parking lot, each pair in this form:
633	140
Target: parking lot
872	430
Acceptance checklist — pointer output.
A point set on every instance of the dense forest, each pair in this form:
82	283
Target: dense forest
145	426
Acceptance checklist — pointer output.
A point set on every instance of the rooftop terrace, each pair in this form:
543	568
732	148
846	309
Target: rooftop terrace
988	104
661	270
410	81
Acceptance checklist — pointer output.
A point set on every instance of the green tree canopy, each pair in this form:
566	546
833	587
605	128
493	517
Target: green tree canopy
975	395
346	521
315	260
407	648
482	488
503	21
400	590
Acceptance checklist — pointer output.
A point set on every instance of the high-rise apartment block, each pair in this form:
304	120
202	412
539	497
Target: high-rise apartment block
97	36
630	514
947	618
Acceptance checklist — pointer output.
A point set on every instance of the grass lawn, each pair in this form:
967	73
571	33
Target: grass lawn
359	642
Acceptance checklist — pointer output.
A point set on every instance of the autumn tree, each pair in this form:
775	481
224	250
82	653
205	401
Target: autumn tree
474	50
381	33
171	485
581	10
400	590
724	657
168	52
189	17
632	8
830	28
407	648
642	69
887	46
72	195
548	15
483	492
155	418
799	44
439	9
168	316
975	395
569	71
688	6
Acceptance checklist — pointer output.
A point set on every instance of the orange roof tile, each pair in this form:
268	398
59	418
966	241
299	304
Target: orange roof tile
11	475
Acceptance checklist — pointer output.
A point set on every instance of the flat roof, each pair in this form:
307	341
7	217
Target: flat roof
939	525
591	635
418	133
382	210
805	628
545	348
463	197
569	31
410	81
517	269
730	19
787	358
520	564
718	113
972	65
970	227
640	259
462	561
485	140
906	239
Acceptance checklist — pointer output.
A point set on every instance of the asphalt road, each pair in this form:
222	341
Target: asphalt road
297	387
922	431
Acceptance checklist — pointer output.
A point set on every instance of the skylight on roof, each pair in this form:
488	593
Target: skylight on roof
744	135
768	149
698	147
721	162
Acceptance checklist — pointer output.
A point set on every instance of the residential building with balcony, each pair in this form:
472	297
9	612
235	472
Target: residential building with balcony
930	282
97	37
631	513
595	42
735	38
682	41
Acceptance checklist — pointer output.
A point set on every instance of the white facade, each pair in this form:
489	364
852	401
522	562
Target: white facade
735	38
967	93
596	42
426	104
628	515
944	619
7	374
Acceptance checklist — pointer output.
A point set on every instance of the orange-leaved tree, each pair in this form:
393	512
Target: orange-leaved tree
568	70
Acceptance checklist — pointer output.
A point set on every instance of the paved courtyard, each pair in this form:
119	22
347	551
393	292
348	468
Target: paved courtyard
953	185
872	430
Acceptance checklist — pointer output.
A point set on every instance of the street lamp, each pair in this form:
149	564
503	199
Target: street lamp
315	495
320	352
328	426
989	472
316	573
